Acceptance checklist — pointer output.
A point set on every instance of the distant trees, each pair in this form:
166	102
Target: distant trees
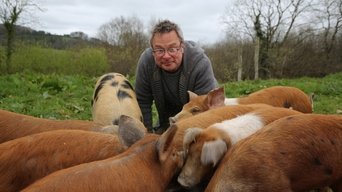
268	23
288	38
264	39
79	34
124	41
10	12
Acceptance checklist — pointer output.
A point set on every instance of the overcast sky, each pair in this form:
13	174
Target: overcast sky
200	20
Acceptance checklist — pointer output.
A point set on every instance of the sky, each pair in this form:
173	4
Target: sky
200	20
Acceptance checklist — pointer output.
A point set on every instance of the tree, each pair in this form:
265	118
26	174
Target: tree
125	39
268	22
329	18
122	31
10	13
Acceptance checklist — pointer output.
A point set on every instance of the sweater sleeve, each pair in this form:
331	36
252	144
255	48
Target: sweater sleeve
198	70
203	76
143	89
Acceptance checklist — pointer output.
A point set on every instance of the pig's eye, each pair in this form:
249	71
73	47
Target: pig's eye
195	110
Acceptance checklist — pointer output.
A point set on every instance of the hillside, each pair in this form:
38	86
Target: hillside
29	35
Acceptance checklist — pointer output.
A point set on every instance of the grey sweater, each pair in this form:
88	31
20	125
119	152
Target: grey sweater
196	75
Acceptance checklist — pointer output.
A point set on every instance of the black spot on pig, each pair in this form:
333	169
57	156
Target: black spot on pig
123	94
106	78
114	84
126	84
98	88
317	161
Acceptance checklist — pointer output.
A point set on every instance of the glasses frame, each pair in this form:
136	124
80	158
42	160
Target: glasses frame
172	51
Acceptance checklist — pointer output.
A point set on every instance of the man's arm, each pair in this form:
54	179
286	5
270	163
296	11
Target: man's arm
204	79
143	91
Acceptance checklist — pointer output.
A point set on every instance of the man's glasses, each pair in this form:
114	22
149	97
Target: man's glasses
171	51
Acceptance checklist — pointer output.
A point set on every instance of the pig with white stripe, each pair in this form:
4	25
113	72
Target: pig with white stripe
205	148
292	154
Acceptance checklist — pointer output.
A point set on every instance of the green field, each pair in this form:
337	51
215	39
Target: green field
69	96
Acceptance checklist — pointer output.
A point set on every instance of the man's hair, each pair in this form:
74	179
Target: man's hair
166	26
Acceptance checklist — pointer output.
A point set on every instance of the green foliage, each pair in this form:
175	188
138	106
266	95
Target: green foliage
48	96
87	61
69	96
2	58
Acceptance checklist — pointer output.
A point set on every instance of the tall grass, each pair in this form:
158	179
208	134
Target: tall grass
86	61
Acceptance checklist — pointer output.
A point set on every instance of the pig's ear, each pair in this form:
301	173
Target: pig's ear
190	136
192	95
164	143
213	152
216	98
130	130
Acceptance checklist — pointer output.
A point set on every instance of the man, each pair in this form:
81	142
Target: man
167	70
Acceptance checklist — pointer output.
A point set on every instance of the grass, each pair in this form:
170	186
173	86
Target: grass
69	96
327	91
87	61
48	96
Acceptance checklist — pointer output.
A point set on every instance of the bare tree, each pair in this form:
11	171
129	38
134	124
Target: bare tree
329	16
10	13
121	30
125	39
270	21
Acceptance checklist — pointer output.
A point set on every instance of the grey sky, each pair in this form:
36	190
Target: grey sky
200	20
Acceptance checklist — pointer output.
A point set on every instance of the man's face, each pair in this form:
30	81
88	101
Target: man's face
167	51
